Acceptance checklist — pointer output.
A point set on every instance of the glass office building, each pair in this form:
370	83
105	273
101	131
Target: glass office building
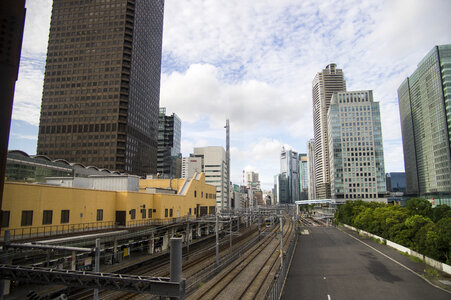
425	109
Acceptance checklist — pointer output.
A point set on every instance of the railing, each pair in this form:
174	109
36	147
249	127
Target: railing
165	221
41	231
277	285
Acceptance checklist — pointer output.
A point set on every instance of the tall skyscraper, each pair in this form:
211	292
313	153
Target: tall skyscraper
215	167
425	108
356	153
169	158
311	169
289	177
325	83
102	84
303	176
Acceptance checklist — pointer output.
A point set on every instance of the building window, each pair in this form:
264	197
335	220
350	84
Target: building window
143	213
65	216
5	218
149	214
189	212
100	215
133	214
195	194
170	212
47	217
27	218
165	212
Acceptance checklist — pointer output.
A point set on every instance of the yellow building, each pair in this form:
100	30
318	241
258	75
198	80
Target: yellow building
33	208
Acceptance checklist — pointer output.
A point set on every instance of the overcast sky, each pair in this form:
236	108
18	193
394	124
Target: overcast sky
253	61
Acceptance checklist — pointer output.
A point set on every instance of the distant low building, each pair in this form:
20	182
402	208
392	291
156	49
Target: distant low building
396	182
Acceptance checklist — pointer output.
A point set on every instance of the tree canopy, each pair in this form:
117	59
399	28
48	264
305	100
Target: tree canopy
417	226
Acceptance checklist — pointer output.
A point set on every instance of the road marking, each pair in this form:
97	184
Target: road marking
395	261
324	277
328	297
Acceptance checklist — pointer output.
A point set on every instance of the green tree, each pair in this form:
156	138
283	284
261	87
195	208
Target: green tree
419	206
440	211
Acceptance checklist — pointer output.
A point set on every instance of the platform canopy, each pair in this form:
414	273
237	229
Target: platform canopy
318	201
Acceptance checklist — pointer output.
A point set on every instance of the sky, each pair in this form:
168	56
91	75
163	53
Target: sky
253	62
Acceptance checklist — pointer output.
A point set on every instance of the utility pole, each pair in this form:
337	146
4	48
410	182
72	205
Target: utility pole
97	266
217	240
231	232
281	242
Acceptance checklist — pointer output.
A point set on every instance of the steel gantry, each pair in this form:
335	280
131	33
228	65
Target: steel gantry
102	281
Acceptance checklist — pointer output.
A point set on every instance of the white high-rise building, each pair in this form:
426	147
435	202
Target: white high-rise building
191	165
325	83
214	166
356	154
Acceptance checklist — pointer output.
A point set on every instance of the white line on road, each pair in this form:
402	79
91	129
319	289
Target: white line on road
395	261
328	297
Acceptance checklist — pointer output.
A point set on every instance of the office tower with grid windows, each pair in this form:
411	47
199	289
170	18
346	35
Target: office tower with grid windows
214	165
102	83
425	109
356	153
169	158
311	169
325	83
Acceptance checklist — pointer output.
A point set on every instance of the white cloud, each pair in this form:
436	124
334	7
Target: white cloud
254	61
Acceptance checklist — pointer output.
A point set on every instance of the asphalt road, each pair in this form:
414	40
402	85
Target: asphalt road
329	264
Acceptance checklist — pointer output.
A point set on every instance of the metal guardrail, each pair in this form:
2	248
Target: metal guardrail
277	285
42	231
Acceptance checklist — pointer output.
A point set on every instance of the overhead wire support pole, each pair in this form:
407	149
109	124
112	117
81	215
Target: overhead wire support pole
97	266
231	234
217	240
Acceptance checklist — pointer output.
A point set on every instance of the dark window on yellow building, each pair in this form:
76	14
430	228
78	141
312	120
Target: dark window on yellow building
195	194
47	217
5	218
165	212
202	194
100	215
170	212
154	210
189	212
64	216
27	218
133	214
149	213
143	213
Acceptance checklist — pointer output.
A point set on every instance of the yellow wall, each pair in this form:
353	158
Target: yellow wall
84	203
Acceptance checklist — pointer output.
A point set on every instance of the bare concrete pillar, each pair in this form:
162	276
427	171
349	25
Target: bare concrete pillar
199	230
165	241
151	244
115	250
73	264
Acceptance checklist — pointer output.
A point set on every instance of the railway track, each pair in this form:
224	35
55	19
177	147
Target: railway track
193	263
246	277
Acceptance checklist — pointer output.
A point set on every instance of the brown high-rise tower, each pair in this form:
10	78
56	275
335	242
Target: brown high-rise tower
101	91
325	83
